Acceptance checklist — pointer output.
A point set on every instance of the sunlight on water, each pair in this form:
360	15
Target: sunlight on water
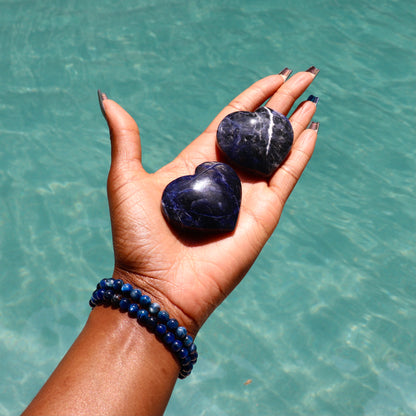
324	322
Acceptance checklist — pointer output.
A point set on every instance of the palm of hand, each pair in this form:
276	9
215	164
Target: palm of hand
191	276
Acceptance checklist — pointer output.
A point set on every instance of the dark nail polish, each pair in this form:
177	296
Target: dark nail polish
313	70
314	126
313	99
285	73
101	98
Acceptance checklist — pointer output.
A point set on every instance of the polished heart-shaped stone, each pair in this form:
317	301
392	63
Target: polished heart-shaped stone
258	141
209	200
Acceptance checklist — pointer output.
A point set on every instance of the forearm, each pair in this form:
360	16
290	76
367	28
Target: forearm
114	367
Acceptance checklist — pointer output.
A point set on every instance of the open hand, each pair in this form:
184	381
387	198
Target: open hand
191	276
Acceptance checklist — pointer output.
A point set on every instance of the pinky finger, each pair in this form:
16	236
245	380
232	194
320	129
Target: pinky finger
286	177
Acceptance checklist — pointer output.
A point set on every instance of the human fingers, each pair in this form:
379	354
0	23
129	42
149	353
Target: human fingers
291	90
124	134
203	148
252	97
286	177
266	207
302	116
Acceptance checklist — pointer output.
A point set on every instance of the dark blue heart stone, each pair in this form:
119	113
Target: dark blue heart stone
208	200
258	141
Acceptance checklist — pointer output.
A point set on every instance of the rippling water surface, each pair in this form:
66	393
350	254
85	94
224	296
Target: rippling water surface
324	323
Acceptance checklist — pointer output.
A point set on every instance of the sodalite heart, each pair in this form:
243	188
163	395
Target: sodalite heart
258	141
208	200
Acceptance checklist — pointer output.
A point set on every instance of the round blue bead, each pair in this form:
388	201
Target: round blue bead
102	284
160	329
126	289
124	304
135	295
108	294
118	283
154	308
186	360
194	357
172	324
109	283
188	340
115	301
144	301
187	367
133	309
142	316
192	348
99	295
163	317
92	303
176	346
185	371
181	332
183	353
151	323
168	338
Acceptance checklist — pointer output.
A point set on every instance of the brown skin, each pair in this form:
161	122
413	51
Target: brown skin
117	367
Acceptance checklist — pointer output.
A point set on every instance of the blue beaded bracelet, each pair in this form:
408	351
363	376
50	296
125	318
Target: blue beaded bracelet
120	295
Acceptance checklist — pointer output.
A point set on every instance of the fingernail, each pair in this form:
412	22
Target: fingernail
313	99
314	126
313	70
102	97
285	73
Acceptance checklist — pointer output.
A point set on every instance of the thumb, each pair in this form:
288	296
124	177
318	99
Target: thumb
124	134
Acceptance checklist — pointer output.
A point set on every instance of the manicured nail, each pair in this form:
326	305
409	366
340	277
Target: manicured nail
313	70
313	99
285	73
102	97
314	126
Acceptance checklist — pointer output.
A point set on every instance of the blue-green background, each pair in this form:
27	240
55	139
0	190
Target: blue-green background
324	323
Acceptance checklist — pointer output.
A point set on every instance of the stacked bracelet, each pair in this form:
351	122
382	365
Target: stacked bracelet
120	295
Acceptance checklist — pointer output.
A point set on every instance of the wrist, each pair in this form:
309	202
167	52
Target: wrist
140	308
152	288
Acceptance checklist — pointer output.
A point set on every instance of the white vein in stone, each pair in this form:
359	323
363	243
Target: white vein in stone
270	131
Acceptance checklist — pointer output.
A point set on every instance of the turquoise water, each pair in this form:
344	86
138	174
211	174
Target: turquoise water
333	331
